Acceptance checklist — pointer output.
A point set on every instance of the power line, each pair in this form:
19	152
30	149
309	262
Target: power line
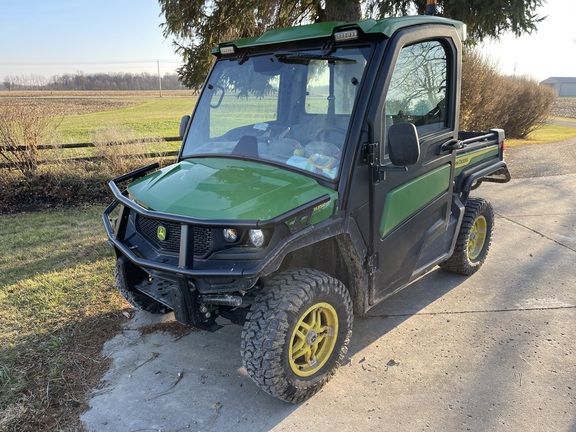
69	67
90	62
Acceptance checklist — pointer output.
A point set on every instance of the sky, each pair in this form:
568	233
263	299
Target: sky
548	52
53	37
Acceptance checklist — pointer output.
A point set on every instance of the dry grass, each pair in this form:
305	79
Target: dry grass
58	304
22	130
551	133
57	307
95	94
63	106
117	156
66	103
48	178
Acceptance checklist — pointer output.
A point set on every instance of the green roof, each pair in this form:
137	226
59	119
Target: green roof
386	26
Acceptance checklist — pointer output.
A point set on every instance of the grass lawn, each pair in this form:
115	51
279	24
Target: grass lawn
149	117
160	117
57	306
549	133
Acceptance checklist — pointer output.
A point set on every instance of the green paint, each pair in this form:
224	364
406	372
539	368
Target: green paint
405	200
465	159
386	26
221	188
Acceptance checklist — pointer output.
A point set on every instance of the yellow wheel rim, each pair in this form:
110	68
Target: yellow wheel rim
477	238
313	339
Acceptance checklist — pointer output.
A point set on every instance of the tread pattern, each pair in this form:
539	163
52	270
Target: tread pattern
269	323
459	262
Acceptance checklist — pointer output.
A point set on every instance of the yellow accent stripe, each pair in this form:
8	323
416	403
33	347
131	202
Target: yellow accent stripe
466	158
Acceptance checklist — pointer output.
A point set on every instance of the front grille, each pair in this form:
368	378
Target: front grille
149	228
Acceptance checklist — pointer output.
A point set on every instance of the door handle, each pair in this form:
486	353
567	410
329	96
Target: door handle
451	145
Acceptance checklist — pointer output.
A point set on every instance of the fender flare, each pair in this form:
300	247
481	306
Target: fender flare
494	172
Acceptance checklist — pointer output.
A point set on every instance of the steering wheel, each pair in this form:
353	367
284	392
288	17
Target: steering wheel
326	130
321	148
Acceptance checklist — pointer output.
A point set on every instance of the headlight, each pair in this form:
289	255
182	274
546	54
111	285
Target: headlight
230	235
257	237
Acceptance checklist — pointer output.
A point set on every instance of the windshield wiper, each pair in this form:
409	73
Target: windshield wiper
304	58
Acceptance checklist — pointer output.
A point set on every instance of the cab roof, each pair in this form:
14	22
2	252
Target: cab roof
386	27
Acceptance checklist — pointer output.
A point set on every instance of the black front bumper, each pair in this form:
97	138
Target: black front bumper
177	279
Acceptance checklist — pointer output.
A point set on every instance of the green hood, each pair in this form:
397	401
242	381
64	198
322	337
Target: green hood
219	188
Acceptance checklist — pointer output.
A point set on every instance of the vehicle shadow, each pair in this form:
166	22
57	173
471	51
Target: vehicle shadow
448	351
198	379
400	307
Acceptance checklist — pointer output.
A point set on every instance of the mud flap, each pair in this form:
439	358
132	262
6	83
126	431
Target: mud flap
184	303
186	307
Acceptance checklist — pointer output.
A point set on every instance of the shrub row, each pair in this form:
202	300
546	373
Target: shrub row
519	105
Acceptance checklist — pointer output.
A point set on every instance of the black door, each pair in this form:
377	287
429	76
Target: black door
413	215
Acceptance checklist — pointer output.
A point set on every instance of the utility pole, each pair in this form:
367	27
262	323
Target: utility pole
159	77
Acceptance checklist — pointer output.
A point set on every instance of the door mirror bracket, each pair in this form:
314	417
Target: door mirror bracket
381	170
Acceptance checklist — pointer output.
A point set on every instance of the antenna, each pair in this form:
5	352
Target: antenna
431	7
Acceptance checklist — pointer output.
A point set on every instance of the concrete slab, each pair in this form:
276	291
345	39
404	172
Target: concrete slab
495	351
546	205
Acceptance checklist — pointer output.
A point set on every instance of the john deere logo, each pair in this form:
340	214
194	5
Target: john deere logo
161	233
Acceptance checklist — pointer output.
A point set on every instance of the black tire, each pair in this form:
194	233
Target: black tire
277	340
136	298
474	238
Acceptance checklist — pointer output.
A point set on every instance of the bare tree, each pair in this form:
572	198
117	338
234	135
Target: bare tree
23	127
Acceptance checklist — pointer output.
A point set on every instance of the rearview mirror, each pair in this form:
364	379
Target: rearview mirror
403	144
217	95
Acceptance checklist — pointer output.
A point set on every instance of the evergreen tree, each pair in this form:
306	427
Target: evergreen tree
198	25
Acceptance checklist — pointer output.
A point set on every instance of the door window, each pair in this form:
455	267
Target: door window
417	92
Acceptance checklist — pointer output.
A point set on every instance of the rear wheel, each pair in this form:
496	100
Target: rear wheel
297	333
474	238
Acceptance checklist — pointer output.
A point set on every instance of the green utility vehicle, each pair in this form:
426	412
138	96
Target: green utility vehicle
321	171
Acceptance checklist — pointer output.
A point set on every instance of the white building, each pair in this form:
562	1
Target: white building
563	86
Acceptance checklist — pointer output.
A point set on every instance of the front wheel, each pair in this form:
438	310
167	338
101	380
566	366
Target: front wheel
296	334
474	238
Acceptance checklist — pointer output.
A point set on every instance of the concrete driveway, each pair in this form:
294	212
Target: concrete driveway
495	351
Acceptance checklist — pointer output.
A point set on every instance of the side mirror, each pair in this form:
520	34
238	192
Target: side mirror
403	144
183	125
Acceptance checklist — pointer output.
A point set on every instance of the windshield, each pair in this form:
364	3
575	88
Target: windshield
289	108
